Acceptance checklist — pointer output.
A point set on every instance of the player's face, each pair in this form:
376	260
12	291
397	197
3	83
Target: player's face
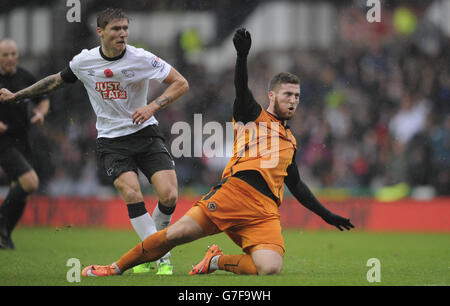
114	36
8	57
285	100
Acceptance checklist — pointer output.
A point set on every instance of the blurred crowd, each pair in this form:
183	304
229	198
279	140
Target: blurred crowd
375	116
370	116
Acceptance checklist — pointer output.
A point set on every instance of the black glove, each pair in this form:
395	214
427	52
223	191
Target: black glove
338	221
242	42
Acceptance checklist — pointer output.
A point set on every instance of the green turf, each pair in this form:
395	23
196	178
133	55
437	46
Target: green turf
312	258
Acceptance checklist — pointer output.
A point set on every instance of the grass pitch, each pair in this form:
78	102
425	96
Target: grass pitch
329	258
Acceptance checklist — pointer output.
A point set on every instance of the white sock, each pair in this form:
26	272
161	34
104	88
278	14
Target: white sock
161	219
116	268
161	222
214	264
143	225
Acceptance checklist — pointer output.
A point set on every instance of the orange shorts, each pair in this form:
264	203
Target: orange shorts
247	216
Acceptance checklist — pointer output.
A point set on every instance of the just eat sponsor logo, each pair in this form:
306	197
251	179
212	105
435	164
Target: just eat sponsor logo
110	90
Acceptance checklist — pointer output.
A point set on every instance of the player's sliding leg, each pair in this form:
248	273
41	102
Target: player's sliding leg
152	248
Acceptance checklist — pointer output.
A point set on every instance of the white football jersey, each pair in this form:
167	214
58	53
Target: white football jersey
116	88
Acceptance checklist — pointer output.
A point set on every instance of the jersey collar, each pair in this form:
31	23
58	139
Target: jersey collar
283	122
112	58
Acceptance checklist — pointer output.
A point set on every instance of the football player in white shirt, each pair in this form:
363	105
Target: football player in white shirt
116	77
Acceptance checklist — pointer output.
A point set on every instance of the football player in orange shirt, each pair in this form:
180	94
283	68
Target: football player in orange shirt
244	205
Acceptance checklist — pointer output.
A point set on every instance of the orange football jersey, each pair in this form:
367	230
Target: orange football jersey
264	145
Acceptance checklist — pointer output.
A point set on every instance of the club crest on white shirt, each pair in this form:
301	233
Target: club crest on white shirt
128	73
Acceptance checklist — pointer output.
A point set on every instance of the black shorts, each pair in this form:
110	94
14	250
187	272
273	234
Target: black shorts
15	159
143	150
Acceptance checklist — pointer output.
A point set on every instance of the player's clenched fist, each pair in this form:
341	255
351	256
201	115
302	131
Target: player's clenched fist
242	41
6	96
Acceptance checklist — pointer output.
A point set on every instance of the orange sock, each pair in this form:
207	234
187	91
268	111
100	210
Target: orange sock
238	264
152	248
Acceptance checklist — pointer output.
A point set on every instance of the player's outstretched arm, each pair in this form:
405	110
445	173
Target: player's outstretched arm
46	85
304	195
242	42
245	108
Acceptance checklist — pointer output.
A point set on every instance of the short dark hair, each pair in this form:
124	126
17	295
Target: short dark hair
283	78
105	16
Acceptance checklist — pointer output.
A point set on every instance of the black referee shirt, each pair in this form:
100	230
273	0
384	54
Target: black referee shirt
17	115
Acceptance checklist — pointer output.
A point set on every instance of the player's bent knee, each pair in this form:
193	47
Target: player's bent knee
169	198
130	192
267	261
130	195
270	269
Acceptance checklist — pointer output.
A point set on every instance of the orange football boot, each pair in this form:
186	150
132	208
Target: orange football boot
203	266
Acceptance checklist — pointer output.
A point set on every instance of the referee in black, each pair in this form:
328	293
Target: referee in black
15	152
